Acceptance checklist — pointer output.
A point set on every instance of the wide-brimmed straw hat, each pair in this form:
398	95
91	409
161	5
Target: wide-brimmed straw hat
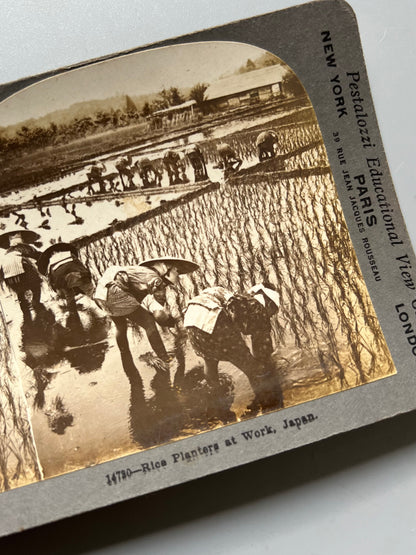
43	261
181	264
27	235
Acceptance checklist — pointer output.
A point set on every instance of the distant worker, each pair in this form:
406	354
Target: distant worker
18	267
38	205
174	166
95	175
149	174
196	159
216	319
64	203
265	143
124	166
138	294
230	162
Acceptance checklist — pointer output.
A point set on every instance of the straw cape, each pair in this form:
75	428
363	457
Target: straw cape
27	235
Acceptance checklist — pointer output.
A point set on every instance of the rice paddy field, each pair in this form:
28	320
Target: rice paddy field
19	464
292	233
279	221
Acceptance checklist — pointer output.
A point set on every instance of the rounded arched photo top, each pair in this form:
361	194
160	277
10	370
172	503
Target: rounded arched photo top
208	152
154	78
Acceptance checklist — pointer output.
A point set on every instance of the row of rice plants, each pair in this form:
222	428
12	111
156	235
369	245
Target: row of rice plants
18	460
289	139
291	232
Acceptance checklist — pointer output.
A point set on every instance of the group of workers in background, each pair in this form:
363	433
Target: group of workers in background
174	164
150	171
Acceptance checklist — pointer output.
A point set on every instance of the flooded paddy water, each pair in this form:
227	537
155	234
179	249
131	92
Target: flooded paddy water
279	221
96	213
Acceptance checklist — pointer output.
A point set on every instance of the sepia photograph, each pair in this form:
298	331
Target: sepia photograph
174	258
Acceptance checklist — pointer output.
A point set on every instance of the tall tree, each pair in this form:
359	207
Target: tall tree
175	97
197	93
292	86
130	105
162	100
250	65
146	110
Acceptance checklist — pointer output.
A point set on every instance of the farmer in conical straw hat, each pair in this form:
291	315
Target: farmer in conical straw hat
216	320
230	162
138	294
265	145
196	158
173	163
17	266
125	168
149	174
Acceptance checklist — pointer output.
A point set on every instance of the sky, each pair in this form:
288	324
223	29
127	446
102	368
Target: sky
133	74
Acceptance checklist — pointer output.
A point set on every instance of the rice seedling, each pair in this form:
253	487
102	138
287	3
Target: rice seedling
288	229
18	459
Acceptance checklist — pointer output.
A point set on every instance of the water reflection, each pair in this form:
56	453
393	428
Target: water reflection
43	339
206	406
160	408
155	420
174	406
268	394
85	323
59	418
87	358
54	334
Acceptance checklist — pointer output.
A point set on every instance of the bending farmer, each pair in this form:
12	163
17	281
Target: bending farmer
138	294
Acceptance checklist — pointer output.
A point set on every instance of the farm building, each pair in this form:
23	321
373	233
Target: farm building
174	115
245	88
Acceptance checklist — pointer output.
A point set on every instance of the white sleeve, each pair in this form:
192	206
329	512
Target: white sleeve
151	304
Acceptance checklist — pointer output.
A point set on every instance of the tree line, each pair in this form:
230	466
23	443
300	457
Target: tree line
29	136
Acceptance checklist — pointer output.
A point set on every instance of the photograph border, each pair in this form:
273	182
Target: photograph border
359	406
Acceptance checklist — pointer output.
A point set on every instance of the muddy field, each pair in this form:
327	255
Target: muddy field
279	221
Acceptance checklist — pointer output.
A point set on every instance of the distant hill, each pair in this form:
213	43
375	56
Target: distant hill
266	59
81	110
89	108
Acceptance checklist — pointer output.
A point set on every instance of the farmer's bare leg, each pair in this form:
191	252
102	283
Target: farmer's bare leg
239	354
262	347
123	344
146	321
211	370
267	387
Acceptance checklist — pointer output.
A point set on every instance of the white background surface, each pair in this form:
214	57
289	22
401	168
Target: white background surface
353	494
